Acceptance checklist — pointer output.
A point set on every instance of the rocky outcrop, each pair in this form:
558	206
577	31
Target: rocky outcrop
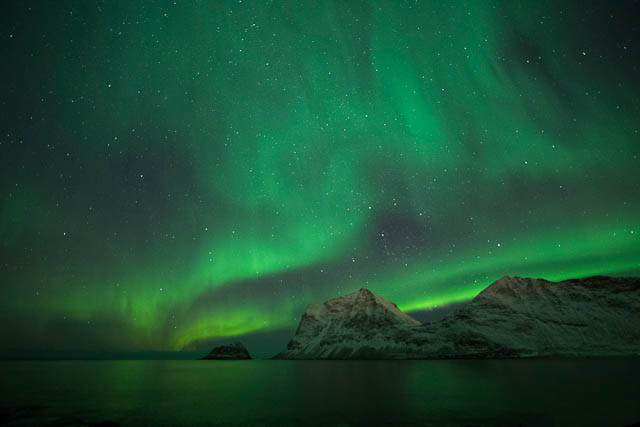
514	317
235	351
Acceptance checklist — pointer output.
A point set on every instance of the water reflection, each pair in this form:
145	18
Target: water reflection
511	392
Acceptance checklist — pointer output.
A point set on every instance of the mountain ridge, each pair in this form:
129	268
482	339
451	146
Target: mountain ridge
512	317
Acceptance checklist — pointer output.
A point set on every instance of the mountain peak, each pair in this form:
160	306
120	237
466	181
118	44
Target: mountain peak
509	286
328	329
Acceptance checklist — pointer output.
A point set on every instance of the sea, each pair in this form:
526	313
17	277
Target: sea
525	392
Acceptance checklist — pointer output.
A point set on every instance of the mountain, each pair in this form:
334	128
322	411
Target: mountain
235	351
513	317
358	325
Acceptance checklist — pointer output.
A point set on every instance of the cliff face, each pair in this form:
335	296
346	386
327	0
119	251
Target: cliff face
235	351
514	317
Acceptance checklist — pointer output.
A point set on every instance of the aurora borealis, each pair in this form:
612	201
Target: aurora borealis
182	171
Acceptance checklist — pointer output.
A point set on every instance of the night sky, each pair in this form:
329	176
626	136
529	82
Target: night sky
179	172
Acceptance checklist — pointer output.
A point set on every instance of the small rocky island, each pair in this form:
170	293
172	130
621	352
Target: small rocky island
234	351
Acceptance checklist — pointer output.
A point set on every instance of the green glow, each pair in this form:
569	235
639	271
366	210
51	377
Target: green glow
206	170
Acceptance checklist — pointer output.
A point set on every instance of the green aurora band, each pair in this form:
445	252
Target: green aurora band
175	172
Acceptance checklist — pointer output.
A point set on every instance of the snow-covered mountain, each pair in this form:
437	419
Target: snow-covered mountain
358	325
514	317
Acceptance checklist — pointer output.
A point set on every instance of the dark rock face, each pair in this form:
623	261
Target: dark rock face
514	317
520	317
235	351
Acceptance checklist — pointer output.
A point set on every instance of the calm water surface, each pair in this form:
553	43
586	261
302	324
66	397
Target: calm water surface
279	393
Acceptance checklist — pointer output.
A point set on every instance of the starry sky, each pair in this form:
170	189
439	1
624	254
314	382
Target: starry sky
177	172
